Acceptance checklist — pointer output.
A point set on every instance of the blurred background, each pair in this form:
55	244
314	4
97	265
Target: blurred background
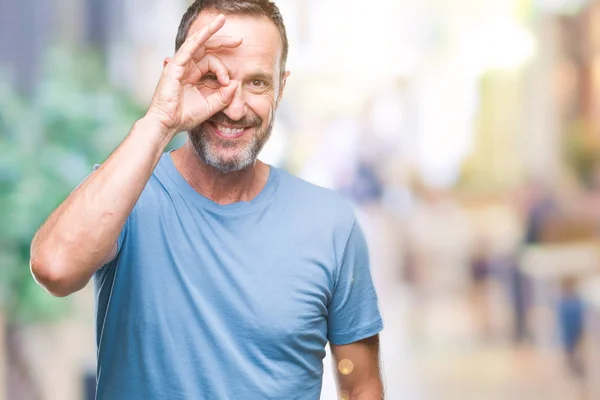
466	132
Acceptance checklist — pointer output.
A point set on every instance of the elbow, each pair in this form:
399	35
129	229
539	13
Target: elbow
52	277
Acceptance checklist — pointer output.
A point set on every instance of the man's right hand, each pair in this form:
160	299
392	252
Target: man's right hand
177	104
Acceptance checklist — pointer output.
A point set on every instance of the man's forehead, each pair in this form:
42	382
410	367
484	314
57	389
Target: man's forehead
259	34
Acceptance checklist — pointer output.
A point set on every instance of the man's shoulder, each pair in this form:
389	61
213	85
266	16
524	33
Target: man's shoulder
315	199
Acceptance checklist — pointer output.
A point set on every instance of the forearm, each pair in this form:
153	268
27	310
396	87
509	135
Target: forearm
374	394
371	389
361	384
82	232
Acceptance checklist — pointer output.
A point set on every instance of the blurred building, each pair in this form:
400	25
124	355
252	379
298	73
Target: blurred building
134	36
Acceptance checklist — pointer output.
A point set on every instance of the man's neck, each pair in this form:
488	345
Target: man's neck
222	188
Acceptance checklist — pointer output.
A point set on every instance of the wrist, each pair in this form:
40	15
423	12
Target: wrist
153	132
154	124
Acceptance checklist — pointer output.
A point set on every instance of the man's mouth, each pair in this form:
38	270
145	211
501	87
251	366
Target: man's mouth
229	132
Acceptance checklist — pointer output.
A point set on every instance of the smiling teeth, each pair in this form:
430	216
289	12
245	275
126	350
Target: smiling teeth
229	131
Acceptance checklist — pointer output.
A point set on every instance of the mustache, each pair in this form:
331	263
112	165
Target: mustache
248	120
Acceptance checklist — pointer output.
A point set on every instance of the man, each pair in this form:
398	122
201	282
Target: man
217	276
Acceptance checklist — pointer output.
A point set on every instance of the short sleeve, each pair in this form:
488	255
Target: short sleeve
353	311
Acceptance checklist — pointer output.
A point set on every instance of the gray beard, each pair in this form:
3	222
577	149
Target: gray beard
207	148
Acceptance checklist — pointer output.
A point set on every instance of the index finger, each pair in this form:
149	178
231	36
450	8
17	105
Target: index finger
222	42
193	43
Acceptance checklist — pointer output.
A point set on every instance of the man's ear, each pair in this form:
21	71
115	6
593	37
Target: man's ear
166	61
282	87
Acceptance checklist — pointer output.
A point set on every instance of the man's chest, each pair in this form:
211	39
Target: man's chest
257	285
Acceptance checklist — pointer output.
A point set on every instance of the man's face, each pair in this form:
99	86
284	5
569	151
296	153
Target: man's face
231	139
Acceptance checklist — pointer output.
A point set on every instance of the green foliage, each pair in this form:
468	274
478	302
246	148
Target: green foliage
48	144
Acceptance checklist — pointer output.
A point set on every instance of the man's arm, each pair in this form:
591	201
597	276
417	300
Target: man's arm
81	234
357	369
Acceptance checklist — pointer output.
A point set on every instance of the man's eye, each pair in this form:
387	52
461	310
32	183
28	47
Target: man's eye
211	81
258	83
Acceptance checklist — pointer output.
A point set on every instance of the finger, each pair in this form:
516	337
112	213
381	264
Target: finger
221	98
212	63
220	42
193	43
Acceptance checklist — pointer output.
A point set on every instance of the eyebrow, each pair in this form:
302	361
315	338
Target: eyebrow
261	76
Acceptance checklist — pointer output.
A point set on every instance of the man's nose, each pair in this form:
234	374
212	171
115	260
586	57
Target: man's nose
237	109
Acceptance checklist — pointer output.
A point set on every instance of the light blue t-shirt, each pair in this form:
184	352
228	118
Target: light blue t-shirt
208	301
